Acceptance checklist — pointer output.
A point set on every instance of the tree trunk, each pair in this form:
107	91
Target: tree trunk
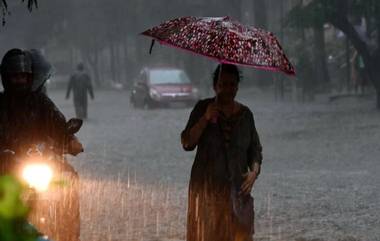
280	78
261	21
118	73
260	13
235	9
92	59
348	66
96	68
72	57
112	61
320	55
126	64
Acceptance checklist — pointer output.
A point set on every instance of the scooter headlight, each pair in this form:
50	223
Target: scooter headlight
38	176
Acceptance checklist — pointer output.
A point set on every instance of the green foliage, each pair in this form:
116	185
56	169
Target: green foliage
301	17
314	14
30	4
13	212
4	7
11	205
321	11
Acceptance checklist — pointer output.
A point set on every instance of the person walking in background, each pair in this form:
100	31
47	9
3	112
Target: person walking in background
226	165
80	83
358	73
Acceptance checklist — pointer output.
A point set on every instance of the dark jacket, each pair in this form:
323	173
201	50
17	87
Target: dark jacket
80	83
30	119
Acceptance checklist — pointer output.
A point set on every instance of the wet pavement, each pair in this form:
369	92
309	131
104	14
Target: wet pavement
319	177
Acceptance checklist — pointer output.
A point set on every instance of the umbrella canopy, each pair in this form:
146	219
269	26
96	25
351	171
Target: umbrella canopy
224	40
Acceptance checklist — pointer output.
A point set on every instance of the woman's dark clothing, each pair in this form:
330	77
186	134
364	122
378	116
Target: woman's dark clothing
225	151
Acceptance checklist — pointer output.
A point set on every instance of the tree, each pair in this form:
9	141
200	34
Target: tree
4	7
14	212
341	13
312	19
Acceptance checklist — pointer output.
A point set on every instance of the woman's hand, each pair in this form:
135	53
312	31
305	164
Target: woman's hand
212	112
249	180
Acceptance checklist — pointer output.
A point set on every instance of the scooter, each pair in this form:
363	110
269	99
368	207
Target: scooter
53	186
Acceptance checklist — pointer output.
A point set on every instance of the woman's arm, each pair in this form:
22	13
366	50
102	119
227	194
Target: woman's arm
255	157
255	150
190	138
198	121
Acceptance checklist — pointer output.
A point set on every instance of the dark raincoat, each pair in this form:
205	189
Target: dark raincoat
225	151
30	119
80	83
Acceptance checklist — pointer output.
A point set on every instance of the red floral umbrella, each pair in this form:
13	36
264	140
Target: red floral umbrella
225	40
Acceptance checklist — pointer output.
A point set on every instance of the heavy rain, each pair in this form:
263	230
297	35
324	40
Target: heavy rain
319	129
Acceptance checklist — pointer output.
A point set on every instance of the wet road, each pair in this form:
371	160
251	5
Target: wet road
319	179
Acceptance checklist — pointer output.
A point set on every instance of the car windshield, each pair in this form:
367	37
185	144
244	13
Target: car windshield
168	76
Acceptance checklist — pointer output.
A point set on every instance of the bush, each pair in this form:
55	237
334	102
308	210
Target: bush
13	212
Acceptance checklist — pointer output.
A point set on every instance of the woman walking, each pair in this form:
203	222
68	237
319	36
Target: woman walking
226	165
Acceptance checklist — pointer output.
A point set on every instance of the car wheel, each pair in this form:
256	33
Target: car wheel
147	105
137	103
133	104
132	101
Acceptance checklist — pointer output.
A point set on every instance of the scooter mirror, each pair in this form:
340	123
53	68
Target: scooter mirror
73	125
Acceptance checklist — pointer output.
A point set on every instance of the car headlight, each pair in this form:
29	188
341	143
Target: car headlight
154	94
37	176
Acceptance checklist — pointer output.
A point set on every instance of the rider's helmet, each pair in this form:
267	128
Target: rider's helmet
16	71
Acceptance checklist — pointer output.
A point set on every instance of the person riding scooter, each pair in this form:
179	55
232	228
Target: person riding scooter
28	117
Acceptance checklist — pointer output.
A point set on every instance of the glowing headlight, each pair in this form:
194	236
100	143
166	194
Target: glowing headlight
154	93
38	176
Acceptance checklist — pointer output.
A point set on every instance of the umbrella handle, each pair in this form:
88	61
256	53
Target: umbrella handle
220	71
219	75
151	46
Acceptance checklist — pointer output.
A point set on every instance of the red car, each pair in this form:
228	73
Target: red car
162	86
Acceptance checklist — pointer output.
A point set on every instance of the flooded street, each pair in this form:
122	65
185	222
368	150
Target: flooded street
319	178
307	69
